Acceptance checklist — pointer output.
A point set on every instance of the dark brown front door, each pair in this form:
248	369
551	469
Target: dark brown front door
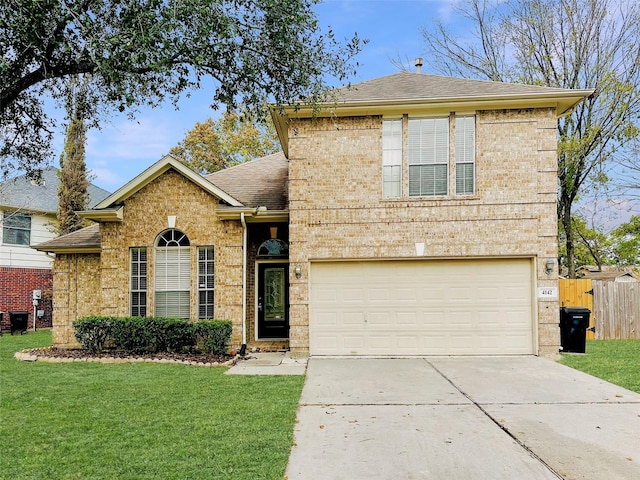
273	300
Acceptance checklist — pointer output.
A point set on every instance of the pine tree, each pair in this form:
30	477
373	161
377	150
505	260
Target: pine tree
73	188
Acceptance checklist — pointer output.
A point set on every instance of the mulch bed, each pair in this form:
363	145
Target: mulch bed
53	354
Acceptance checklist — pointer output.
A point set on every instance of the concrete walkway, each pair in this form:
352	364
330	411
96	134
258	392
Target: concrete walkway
270	363
462	418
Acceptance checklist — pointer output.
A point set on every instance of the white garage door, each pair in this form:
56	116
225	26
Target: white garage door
452	307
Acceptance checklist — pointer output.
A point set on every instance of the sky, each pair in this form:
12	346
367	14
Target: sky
123	148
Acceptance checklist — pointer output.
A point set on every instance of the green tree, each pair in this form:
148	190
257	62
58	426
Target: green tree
628	183
234	138
73	187
144	52
626	240
593	246
578	44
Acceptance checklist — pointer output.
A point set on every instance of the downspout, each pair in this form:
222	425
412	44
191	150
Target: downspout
243	348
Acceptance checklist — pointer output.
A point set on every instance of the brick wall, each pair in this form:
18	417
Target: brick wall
16	294
145	217
337	210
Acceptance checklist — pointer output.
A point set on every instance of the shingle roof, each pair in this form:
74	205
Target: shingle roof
413	86
21	192
261	182
87	238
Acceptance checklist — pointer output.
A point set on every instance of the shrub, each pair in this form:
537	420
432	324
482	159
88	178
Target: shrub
93	333
215	335
151	334
175	335
134	334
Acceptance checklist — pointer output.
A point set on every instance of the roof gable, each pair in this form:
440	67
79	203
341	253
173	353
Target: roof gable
154	171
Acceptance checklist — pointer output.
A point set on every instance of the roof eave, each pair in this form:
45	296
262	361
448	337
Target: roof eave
252	215
563	102
32	211
61	250
104	215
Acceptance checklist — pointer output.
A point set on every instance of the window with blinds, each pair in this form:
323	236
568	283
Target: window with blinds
172	275
392	158
16	229
138	287
206	282
465	135
428	151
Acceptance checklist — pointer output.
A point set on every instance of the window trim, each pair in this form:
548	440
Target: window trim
174	285
472	162
11	216
388	162
206	289
142	307
452	165
439	149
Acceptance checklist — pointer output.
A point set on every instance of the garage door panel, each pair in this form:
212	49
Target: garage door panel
421	308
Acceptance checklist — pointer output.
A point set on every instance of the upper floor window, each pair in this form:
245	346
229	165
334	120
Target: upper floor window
430	167
172	277
392	158
465	133
16	228
428	156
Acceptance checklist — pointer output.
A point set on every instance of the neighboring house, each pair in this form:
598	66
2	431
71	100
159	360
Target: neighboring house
416	216
608	273
27	215
617	277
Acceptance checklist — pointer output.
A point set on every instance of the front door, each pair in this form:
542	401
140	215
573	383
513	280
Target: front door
273	300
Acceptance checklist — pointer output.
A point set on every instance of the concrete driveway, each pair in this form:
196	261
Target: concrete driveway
462	418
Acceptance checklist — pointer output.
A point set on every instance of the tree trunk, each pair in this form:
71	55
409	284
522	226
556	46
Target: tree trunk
565	217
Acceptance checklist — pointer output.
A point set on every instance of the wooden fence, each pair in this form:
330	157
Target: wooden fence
615	307
573	293
616	310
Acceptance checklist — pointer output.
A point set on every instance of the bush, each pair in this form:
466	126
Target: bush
175	335
93	333
134	334
215	335
139	335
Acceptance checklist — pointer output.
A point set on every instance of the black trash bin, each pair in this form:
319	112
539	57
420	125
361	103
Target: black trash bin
19	321
574	322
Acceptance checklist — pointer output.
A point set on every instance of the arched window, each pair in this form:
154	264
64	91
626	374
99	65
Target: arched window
274	247
172	269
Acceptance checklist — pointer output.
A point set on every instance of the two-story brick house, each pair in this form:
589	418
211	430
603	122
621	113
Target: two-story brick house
415	216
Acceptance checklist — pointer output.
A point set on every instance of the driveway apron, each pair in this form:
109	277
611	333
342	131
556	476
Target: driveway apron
462	418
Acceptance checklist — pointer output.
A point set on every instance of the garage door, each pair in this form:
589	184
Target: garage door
452	307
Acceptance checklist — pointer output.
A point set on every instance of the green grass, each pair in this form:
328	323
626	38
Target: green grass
140	420
617	361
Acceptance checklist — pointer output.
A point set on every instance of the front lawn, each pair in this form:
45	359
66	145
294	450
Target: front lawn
617	361
140	420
